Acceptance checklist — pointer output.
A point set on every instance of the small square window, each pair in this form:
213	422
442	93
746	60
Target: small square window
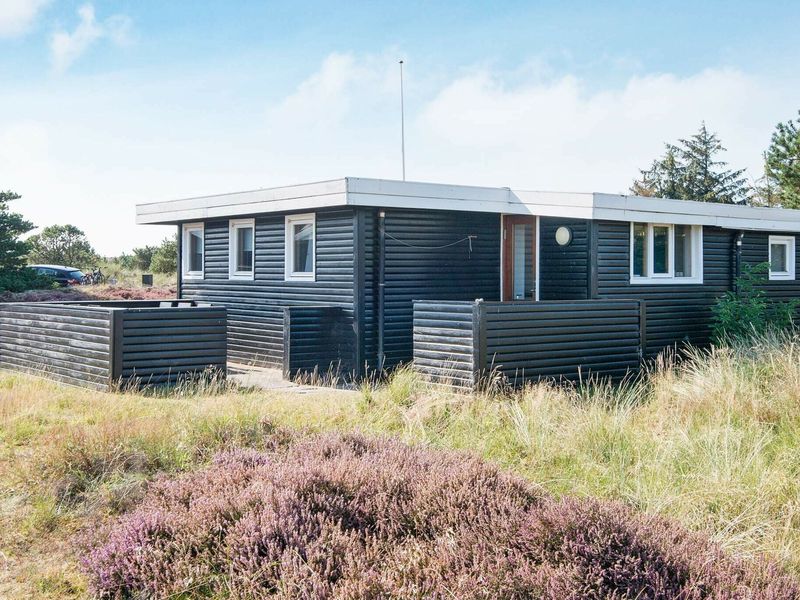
241	249
781	257
192	250
300	247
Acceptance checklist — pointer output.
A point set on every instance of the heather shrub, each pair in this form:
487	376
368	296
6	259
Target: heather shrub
345	516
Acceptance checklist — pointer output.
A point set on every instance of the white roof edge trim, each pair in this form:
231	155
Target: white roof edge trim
387	193
687	212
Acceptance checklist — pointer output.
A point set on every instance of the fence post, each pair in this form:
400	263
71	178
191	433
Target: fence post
478	342
287	344
117	340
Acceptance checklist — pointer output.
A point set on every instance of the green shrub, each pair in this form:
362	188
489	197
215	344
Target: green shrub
747	310
21	280
165	257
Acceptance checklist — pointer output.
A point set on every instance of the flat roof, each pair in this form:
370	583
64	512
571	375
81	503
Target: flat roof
388	193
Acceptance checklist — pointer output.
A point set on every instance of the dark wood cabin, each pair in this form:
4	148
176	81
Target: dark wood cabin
328	272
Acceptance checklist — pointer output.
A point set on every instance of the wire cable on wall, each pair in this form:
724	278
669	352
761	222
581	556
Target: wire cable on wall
469	239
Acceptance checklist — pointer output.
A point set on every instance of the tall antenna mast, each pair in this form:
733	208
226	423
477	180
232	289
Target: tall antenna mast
402	123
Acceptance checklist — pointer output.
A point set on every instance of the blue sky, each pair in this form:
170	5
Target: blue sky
106	104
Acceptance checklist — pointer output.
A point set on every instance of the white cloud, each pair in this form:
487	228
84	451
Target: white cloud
66	47
104	146
17	16
556	134
524	128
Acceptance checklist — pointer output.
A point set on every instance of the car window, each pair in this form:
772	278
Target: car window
47	272
75	275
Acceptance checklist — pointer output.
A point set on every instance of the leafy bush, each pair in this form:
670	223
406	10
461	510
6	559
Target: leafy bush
747	311
352	517
61	245
165	257
21	280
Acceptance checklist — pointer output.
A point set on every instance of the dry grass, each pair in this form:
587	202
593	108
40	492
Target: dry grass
714	443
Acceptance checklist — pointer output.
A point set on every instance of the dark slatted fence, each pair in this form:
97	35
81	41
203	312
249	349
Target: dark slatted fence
461	343
103	344
445	344
71	344
159	345
318	339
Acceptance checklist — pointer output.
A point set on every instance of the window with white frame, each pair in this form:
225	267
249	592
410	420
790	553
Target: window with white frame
192	251
300	247
781	257
241	249
666	253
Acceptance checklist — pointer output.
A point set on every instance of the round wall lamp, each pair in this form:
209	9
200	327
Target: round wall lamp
563	236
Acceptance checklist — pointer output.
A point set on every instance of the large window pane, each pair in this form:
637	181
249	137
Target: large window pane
778	259
244	249
683	251
303	236
640	250
660	250
195	251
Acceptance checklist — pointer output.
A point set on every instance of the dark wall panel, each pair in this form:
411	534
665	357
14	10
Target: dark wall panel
109	343
675	313
318	339
464	343
428	257
255	308
755	250
160	345
445	342
563	270
71	344
527	341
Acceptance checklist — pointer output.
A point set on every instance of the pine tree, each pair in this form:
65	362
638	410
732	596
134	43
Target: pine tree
663	179
783	163
688	171
706	179
12	226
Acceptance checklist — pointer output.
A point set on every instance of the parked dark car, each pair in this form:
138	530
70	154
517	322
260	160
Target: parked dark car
63	276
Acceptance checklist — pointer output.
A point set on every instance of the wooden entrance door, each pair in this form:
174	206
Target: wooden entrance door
519	257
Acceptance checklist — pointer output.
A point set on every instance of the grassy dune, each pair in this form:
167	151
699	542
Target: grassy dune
714	443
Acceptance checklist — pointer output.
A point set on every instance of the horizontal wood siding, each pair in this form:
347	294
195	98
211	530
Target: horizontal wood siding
369	330
675	313
71	344
161	345
444	342
563	270
528	341
428	257
755	250
255	308
318	339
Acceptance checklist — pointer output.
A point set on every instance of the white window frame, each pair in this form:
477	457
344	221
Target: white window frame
291	221
668	278
185	237
234	226
789	242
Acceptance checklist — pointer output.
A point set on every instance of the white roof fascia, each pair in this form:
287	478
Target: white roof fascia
356	191
294	197
667	210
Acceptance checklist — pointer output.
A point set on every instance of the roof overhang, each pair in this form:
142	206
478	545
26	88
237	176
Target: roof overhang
385	193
